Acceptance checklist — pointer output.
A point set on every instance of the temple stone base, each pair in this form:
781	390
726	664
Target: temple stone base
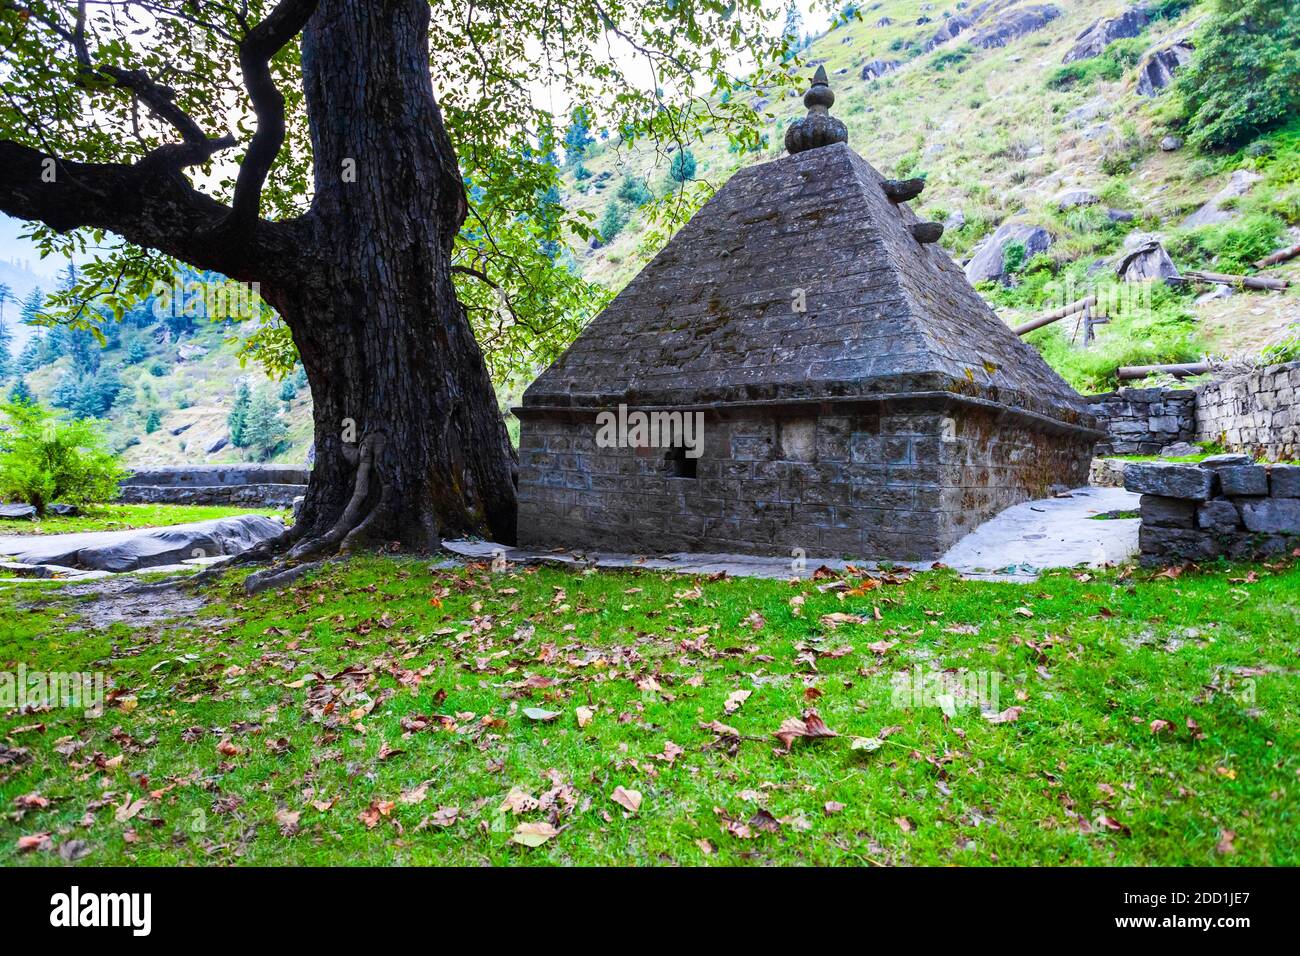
901	480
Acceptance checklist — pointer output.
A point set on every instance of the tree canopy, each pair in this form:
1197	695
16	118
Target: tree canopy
212	95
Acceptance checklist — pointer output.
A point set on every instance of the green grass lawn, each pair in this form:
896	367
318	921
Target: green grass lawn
380	712
119	517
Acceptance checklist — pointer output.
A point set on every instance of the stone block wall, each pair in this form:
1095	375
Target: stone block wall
871	481
1141	421
1257	413
1225	506
253	485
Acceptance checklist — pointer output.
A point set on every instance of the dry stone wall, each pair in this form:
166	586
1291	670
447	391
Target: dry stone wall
1225	506
1255	413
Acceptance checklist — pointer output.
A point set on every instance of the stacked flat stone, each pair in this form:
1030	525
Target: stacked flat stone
268	486
1142	421
1257	412
1225	506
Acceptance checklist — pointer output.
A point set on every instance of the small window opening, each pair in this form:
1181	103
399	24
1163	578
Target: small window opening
679	466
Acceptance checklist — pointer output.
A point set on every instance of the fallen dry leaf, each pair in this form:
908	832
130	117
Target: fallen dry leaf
584	715
811	726
1006	716
629	800
34	841
372	814
129	809
735	699
533	834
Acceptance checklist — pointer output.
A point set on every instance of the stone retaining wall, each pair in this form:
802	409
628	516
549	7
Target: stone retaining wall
1257	413
262	486
190	476
254	496
1141	421
1224	506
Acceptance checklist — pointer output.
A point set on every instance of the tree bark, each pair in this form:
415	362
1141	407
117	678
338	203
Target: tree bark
410	444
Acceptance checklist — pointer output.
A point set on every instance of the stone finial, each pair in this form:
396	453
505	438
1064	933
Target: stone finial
818	128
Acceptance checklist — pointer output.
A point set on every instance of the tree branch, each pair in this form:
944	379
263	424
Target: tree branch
256	50
149	203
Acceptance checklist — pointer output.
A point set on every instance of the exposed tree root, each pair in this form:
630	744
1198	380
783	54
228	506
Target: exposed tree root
359	523
278	577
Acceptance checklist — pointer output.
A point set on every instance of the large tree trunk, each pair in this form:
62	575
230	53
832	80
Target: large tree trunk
410	444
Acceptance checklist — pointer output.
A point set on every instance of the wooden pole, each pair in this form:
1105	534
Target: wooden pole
1061	313
1282	255
1129	372
1249	282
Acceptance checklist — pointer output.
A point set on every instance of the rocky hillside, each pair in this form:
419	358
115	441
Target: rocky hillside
1043	134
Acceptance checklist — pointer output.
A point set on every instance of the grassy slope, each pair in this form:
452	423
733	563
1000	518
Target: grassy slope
205	385
319	769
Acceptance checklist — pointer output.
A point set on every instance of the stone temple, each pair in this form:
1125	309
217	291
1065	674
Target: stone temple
857	396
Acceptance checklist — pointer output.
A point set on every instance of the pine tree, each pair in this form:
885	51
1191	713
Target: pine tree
682	168
238	419
153	422
21	393
264	431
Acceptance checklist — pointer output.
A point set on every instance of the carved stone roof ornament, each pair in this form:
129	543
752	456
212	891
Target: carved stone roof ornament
818	128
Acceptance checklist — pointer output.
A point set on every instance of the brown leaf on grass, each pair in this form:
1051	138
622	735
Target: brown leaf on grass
904	824
1007	716
584	715
831	806
764	822
735	699
755	621
533	834
629	800
518	801
442	817
721	729
31	801
385	751
35	841
372	814
1195	728
881	647
129	809
837	618
228	748
540	714
288	820
1161	726
810	726
670	754
1225	844
705	846
1110	823
414	795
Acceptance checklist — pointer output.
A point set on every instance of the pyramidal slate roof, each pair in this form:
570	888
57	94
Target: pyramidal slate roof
712	318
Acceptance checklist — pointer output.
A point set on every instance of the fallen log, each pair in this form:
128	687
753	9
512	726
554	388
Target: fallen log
1248	282
1061	313
1282	255
1129	372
